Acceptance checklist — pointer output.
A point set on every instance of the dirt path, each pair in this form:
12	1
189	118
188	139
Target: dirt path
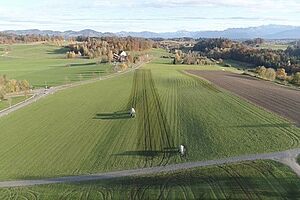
287	157
292	163
41	93
281	100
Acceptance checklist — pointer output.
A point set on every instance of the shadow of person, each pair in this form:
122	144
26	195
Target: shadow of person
114	115
151	153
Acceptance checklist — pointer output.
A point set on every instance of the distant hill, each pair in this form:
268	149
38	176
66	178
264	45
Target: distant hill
266	32
66	34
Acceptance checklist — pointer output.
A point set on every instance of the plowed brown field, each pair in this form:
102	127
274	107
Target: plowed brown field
281	100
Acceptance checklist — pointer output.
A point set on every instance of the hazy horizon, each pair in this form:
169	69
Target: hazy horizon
150	15
141	30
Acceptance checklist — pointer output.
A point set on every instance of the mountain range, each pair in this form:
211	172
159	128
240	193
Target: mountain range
265	31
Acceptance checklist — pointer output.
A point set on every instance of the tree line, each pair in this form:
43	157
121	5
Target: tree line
105	47
192	58
12	39
217	48
279	74
12	85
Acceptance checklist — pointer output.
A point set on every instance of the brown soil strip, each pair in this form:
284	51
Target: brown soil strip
281	100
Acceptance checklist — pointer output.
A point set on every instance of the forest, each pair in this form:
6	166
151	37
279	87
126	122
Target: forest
288	59
12	38
105	47
11	85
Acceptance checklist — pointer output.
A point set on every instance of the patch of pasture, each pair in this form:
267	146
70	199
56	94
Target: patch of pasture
248	180
14	100
43	64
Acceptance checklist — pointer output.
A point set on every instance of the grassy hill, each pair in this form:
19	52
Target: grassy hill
85	129
43	64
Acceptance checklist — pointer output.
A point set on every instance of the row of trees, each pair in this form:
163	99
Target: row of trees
228	49
105	47
191	58
266	73
254	42
12	38
12	85
280	74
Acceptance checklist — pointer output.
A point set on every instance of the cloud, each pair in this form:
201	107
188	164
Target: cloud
156	15
263	4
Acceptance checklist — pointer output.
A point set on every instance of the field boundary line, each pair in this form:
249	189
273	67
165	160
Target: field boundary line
289	120
8	108
287	157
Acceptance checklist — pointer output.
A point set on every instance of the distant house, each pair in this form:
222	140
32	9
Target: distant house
121	57
123	53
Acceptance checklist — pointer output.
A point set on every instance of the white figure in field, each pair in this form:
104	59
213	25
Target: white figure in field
132	112
182	150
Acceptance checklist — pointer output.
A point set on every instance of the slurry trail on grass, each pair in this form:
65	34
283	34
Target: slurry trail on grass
40	93
153	129
278	156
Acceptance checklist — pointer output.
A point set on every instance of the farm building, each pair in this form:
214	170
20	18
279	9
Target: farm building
121	57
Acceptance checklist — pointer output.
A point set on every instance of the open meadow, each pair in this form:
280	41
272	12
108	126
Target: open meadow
46	65
86	129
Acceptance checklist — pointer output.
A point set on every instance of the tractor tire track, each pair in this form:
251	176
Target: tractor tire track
152	122
265	176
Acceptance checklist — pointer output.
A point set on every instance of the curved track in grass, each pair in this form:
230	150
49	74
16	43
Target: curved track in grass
291	155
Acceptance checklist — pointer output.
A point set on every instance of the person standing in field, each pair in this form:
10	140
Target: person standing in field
132	112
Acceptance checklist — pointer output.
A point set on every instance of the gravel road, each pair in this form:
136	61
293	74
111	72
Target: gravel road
287	157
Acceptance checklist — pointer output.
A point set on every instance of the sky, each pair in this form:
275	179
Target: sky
146	15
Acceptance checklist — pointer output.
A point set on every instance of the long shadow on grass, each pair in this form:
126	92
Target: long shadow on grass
62	50
82	64
113	115
199	184
151	153
241	76
262	125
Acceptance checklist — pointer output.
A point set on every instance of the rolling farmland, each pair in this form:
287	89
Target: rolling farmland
168	99
86	129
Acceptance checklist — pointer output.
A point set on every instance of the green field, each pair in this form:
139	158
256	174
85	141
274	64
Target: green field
14	100
86	129
273	46
239	64
248	180
43	64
